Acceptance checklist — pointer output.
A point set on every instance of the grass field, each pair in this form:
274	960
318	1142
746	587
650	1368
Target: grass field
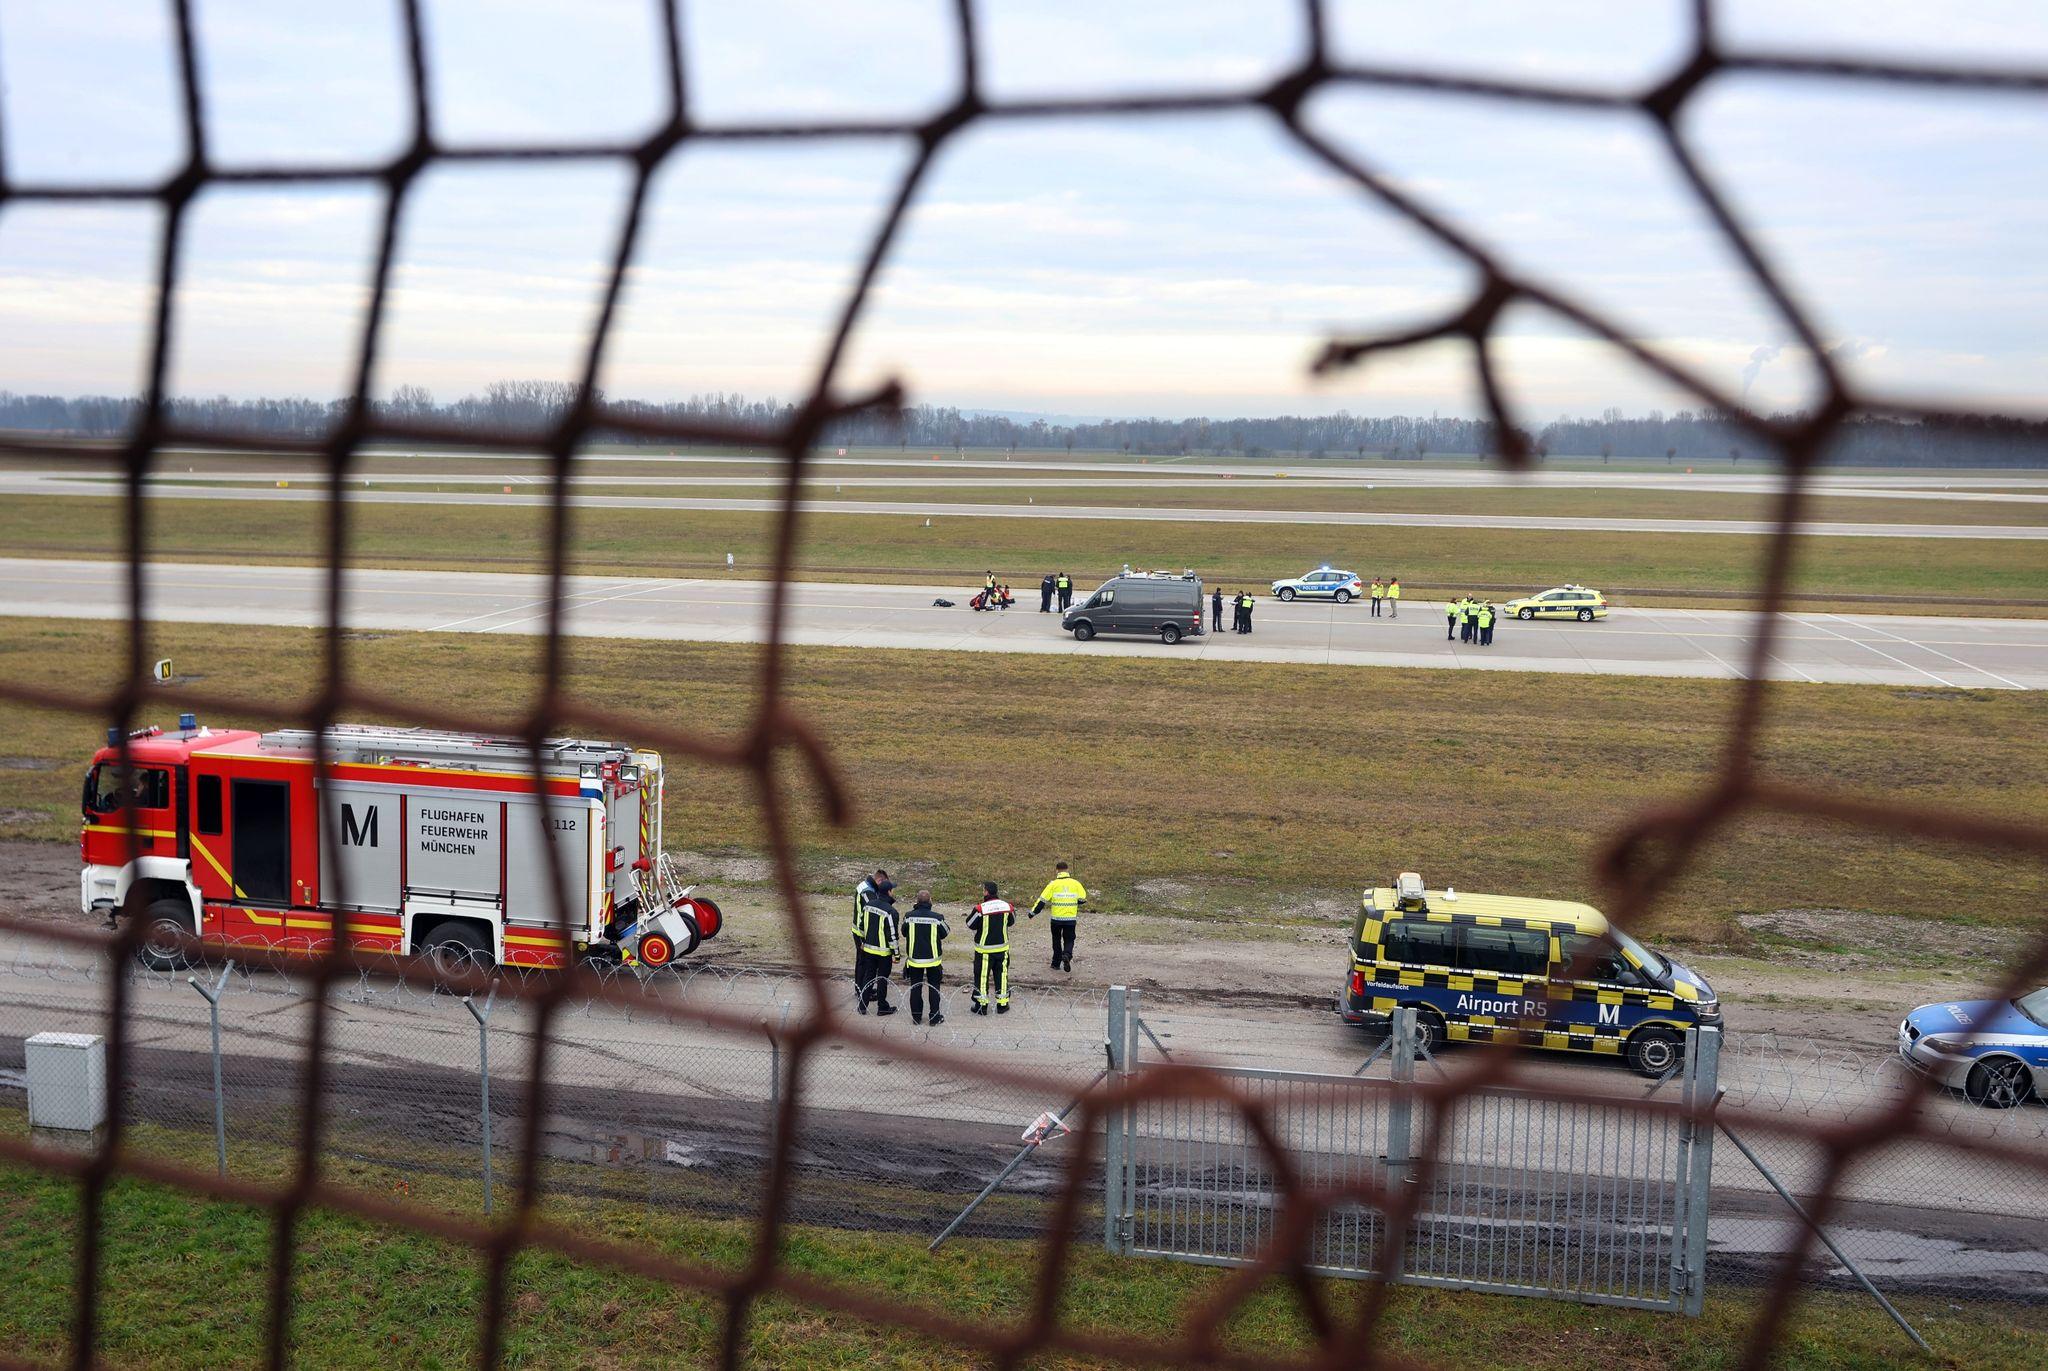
1308	496
1201	791
185	1284
1959	575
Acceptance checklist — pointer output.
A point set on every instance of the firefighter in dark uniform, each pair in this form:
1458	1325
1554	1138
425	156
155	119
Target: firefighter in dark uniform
1045	594
1216	608
874	887
924	956
874	943
1065	586
990	922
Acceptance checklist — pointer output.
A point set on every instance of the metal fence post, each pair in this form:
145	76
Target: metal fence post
1401	1104
1114	1123
483	1053
775	1077
220	1109
1704	1095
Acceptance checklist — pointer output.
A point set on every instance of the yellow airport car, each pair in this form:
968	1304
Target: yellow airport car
1565	602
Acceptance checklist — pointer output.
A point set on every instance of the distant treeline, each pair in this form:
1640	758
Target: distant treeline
1686	437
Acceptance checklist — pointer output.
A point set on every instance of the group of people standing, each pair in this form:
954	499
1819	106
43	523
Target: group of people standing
1056	586
1470	620
882	935
1385	593
1241	603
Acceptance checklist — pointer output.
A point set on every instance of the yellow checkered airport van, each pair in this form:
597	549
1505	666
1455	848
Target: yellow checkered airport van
1541	973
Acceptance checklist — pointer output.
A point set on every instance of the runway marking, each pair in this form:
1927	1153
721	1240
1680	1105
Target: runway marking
1910	666
1738	674
580	602
1967	666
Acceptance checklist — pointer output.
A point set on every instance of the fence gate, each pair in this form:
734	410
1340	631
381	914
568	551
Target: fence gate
1583	1199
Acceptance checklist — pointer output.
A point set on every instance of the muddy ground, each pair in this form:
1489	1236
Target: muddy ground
1832	976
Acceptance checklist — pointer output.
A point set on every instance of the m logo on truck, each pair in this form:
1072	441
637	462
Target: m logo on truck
358	835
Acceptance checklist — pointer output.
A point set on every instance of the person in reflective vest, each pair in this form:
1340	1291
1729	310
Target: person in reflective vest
1486	613
1379	593
875	887
1061	901
1394	598
1451	608
924	956
874	953
990	922
1468	621
1066	589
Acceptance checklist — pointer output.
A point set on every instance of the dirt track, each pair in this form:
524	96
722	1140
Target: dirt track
1279	970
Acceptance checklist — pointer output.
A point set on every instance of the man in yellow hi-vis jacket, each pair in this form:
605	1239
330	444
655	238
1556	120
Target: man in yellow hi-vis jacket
1061	900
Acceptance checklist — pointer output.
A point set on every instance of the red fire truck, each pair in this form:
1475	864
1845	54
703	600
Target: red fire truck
439	846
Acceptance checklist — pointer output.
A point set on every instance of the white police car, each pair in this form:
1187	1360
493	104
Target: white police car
1994	1051
1323	583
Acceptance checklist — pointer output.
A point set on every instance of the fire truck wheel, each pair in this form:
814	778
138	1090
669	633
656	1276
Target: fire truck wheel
453	948
164	923
656	951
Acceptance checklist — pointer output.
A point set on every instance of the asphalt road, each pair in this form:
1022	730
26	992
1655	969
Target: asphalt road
1855	649
1756	478
47	483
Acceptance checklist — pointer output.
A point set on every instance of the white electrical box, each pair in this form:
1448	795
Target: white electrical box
67	1081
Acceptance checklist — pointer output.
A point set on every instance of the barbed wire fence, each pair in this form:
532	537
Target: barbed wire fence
1639	865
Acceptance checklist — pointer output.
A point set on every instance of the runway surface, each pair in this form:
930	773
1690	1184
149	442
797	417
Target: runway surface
1757	477
48	483
1874	649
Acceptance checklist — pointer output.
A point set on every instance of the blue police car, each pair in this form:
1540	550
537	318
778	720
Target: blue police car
1324	583
1994	1051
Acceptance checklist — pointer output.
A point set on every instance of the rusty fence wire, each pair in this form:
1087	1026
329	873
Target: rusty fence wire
1638	865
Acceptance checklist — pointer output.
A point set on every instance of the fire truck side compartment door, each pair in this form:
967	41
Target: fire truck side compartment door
570	823
361	863
453	845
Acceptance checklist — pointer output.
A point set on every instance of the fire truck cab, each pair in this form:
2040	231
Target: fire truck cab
420	842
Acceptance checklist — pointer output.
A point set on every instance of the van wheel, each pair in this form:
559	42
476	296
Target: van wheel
454	949
1585	616
1654	1051
1287	592
164	923
1429	1030
1343	597
1083	632
1169	634
1525	614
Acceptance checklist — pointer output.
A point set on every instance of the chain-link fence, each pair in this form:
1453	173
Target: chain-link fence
426	1097
1569	1189
1563	1183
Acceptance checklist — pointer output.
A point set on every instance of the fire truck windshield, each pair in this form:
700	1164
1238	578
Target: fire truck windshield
149	788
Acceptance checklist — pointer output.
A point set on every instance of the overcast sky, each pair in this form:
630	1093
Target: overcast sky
1171	267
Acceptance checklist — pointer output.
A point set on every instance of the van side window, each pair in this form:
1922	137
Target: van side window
1418	943
1505	951
207	819
1102	597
